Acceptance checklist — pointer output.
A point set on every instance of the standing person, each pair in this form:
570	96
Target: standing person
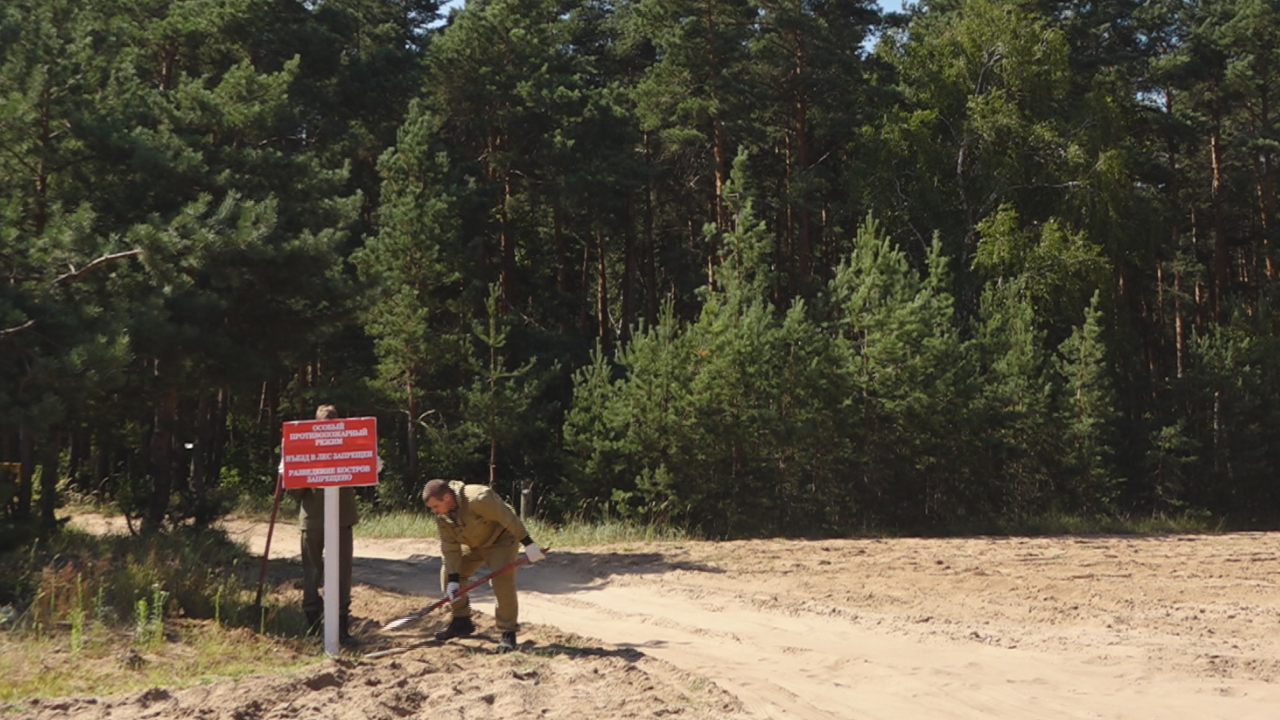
477	527
311	522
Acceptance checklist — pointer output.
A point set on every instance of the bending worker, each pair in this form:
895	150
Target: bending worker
477	527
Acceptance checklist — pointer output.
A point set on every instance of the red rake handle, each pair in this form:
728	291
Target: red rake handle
400	622
266	550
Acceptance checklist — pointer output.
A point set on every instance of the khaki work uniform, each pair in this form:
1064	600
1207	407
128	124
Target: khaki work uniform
482	530
311	522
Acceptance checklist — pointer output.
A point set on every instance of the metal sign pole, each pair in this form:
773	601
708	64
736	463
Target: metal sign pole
332	554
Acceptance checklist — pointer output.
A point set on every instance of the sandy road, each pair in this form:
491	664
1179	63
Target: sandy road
809	667
789	648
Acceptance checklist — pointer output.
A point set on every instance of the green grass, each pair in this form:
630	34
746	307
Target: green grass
258	507
194	653
89	615
96	615
1061	524
399	524
1145	525
575	534
405	524
608	532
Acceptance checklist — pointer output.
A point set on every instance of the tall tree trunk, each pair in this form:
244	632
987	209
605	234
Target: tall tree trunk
804	242
507	249
721	163
493	435
262	401
161	460
26	471
718	149
1221	249
218	434
584	314
493	461
40	212
721	212
602	296
1264	171
411	429
198	463
562	250
49	482
102	452
78	455
202	441
628	284
1179	325
649	270
786	250
1175	236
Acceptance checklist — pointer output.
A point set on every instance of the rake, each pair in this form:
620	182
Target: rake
401	622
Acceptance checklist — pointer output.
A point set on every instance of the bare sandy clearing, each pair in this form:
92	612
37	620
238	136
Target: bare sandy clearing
1106	627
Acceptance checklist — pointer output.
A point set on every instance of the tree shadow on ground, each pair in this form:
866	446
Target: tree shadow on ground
563	572
629	654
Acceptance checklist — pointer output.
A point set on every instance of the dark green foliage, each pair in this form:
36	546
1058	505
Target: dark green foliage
1232	416
690	432
217	214
912	388
198	574
1088	408
1021	442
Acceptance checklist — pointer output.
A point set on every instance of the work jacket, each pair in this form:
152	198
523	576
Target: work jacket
311	504
311	507
481	520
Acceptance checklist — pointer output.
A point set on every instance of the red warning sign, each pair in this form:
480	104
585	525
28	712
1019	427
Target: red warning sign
330	453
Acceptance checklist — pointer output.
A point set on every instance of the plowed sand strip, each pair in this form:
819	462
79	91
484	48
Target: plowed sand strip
811	668
807	667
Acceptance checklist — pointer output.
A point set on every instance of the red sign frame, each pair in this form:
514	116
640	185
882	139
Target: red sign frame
342	452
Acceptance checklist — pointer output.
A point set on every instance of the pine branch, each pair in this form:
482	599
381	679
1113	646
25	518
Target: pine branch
102	260
17	328
72	275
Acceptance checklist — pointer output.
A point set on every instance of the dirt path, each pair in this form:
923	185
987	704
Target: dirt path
1116	628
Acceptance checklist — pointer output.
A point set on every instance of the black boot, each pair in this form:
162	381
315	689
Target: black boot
458	627
344	631
508	641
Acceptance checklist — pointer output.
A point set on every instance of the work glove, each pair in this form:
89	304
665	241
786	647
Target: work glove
452	590
533	552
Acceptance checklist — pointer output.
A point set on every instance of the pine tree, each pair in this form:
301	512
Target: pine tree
54	334
497	406
1021	442
163	146
694	96
813	96
708	421
1088	411
983	124
413	267
911	384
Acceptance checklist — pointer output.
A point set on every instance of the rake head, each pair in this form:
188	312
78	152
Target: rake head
398	623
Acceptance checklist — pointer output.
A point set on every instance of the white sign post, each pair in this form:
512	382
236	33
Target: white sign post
331	454
332	557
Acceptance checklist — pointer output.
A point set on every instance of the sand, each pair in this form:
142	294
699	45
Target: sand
1121	628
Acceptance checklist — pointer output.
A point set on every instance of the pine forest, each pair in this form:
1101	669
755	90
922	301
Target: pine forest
748	267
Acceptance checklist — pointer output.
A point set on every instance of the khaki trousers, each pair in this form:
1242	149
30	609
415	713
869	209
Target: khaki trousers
313	570
507	613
